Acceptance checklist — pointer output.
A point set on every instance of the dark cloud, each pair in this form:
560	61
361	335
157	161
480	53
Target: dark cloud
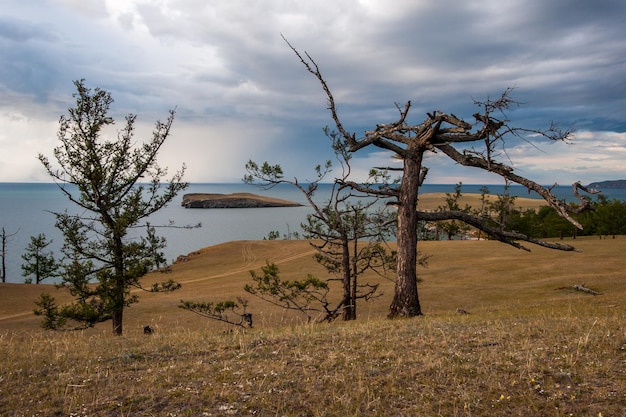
20	31
27	67
226	67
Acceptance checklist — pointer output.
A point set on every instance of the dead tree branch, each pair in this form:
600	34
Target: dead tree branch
504	236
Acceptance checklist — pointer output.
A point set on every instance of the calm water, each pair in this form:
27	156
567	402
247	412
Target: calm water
25	209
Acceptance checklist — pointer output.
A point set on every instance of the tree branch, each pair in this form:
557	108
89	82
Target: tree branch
312	67
506	172
481	223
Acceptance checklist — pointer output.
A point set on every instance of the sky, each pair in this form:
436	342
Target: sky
241	94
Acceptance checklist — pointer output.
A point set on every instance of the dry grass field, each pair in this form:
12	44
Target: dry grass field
532	346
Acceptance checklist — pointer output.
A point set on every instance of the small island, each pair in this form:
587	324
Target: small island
235	200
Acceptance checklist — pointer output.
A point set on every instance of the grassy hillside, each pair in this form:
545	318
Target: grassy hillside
430	201
478	276
531	345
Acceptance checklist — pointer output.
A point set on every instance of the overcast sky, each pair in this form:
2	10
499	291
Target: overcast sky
240	93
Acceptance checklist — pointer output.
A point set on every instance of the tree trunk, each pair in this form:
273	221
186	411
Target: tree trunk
118	293
117	300
349	311
3	271
117	316
406	301
349	307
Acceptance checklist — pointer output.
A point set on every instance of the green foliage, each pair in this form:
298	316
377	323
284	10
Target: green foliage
52	319
166	286
336	227
273	235
273	172
305	295
608	218
349	238
219	311
39	263
102	243
342	228
503	208
454	228
80	315
155	244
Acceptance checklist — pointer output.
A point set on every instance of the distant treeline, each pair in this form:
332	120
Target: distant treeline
607	219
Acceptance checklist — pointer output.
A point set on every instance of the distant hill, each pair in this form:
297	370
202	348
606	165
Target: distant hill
608	184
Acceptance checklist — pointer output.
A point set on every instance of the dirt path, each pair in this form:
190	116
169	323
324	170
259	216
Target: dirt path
251	261
14	316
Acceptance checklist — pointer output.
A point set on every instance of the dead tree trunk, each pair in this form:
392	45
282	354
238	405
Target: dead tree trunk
442	133
4	238
406	300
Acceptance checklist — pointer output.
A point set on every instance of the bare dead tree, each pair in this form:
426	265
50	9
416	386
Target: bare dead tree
442	132
4	238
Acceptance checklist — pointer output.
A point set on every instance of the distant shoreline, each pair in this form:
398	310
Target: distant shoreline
427	201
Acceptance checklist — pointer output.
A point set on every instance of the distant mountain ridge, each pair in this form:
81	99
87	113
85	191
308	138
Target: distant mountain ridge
608	184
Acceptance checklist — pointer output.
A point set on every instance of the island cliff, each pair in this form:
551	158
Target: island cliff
235	200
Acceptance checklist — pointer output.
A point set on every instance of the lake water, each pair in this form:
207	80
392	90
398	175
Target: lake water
26	210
